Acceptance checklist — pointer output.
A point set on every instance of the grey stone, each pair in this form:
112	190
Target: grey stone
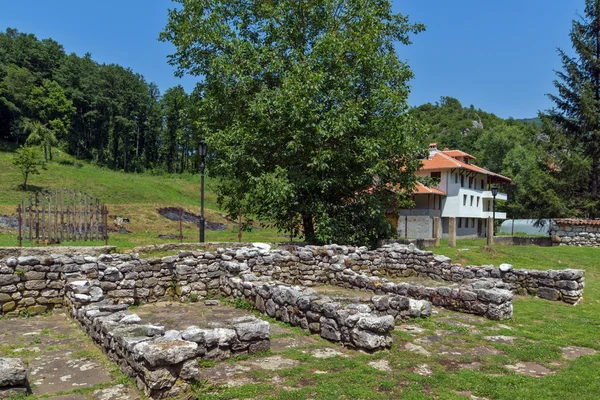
212	302
253	330
12	372
163	353
548	293
28	260
377	324
505	267
9	279
442	259
369	340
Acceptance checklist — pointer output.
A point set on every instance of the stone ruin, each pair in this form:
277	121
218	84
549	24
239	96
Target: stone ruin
97	292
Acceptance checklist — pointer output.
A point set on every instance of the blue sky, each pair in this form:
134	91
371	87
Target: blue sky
497	55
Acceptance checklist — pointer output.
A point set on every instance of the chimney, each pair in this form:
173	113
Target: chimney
432	149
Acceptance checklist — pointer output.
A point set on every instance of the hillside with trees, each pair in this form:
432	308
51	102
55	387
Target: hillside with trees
104	113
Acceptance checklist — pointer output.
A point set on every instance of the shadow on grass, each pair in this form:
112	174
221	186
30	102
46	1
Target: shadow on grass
30	188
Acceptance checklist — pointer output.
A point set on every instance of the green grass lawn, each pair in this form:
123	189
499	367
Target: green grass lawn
133	196
540	329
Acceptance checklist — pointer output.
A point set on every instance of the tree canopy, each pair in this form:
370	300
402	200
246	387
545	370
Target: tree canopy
104	113
303	105
575	118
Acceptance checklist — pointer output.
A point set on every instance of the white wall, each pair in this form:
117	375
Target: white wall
454	205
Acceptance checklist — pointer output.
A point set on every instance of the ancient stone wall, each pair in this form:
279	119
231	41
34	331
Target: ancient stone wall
163	363
354	325
35	284
575	232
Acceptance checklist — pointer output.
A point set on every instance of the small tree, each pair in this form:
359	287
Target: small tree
28	161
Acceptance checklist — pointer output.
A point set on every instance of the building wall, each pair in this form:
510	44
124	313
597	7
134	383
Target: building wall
416	226
466	229
478	202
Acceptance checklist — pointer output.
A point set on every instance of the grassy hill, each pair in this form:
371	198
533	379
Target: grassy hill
133	196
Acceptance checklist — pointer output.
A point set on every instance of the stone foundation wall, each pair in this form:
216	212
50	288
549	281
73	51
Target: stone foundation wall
354	325
163	363
575	232
35	284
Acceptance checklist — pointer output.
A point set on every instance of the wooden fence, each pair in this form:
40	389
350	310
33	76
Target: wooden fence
62	215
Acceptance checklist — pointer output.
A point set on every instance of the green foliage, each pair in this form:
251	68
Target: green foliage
104	113
303	105
29	163
193	297
451	125
573	125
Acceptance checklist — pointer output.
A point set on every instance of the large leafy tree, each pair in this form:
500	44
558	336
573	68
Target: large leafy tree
304	106
577	104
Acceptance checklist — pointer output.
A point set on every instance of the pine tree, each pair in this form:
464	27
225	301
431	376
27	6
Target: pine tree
577	104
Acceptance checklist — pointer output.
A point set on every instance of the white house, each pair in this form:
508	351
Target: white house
464	191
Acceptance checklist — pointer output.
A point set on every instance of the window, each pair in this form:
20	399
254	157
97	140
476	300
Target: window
464	199
460	223
455	178
477	201
482	185
437	175
439	202
473	223
470	182
471	201
462	181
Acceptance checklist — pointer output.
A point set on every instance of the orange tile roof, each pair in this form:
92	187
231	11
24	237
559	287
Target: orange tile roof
458	153
422	189
574	221
441	160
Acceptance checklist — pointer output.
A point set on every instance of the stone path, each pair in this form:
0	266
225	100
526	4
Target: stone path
61	358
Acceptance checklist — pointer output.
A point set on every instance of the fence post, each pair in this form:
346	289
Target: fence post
180	227
20	222
105	212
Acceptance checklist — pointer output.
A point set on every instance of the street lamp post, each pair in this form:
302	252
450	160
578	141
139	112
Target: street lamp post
202	150
494	194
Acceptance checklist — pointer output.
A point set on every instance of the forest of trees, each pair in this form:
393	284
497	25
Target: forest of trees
104	113
293	129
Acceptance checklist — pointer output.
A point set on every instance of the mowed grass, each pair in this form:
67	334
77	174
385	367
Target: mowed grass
133	196
540	329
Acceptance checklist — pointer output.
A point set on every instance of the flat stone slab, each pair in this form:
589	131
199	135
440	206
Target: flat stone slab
60	357
116	392
573	352
530	369
416	349
274	363
501	339
423	370
382	365
180	316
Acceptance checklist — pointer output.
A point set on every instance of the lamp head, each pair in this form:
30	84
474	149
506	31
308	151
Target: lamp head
202	149
494	190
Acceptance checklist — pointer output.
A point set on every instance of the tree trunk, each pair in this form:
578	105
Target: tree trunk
25	183
594	184
309	228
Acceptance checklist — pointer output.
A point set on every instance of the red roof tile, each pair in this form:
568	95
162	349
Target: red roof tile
458	153
422	189
441	160
574	221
